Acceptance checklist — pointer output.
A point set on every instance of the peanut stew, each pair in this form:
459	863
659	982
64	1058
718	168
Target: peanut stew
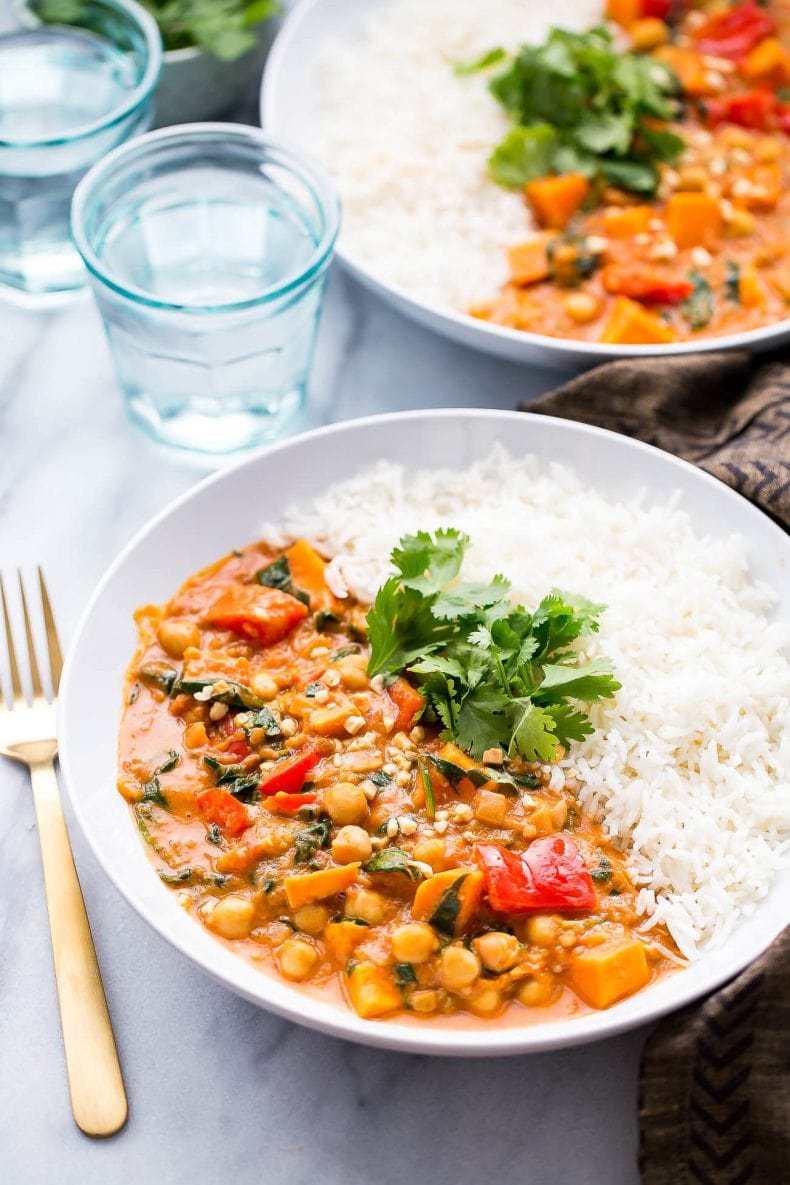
658	177
317	818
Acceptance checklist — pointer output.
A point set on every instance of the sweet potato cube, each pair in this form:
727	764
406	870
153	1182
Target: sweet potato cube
342	938
306	567
768	62
604	974
528	261
372	991
303	888
627	221
694	219
554	200
631	324
267	615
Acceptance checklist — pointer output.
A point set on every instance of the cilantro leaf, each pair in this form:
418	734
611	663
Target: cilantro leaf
533	731
490	58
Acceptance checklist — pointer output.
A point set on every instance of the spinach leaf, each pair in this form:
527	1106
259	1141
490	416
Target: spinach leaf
237	781
267	721
324	621
732	281
152	792
214	834
278	575
308	841
176	878
394	860
445	914
311	688
158	674
170	762
405	975
379	778
223	691
603	872
698	308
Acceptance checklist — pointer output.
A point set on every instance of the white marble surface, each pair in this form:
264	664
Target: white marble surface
217	1088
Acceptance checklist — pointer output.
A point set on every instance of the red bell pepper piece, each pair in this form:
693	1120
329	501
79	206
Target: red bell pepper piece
784	119
551	874
289	804
219	806
645	285
735	32
256	611
289	775
659	9
748	109
408	701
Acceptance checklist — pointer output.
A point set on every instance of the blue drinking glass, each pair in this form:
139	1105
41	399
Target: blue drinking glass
76	79
208	247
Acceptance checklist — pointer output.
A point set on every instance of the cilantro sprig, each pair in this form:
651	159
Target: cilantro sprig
578	105
492	673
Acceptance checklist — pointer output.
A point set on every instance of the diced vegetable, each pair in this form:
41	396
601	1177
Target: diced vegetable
750	288
289	775
627	221
528	261
645	284
307	567
289	804
768	62
607	973
699	307
408	701
631	324
264	614
733	33
757	109
218	806
372	991
305	887
342	937
554	200
693	219
550	874
690	68
624	12
449	900
763	190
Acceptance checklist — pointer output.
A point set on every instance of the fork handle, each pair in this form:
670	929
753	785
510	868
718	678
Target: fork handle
98	1098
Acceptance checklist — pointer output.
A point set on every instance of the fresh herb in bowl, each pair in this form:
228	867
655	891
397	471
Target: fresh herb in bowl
580	106
493	673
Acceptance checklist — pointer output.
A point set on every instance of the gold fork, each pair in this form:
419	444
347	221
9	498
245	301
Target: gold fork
27	734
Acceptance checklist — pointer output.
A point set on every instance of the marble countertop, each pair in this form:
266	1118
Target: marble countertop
216	1086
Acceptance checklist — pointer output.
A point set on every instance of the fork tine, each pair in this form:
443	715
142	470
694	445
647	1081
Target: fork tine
16	682
35	677
53	644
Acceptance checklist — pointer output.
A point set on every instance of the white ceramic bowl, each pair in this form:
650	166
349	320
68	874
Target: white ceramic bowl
291	108
227	510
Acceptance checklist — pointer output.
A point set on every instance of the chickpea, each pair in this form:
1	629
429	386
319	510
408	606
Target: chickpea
536	991
648	34
459	969
264	685
497	951
692	177
353	671
345	803
351	843
484	1000
581	307
231	917
297	958
414	942
430	851
424	1001
541	929
177	634
311	918
366	905
739	224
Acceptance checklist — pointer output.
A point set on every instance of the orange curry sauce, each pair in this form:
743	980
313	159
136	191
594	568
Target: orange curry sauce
345	880
709	255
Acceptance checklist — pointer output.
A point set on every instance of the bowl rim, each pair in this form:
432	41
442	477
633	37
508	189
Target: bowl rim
136	98
463	324
330	1018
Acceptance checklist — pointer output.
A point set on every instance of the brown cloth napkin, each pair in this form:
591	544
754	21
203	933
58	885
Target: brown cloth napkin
723	411
714	1104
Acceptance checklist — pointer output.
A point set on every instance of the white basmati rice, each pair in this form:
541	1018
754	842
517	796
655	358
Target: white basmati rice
407	141
689	766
